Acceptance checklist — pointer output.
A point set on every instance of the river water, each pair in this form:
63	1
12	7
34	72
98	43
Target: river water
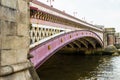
80	67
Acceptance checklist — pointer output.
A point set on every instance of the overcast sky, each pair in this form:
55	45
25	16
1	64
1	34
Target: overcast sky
100	12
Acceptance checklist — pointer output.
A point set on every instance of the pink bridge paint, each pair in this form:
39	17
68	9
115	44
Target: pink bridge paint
43	51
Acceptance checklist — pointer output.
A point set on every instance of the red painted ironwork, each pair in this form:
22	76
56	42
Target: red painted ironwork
36	21
43	51
33	8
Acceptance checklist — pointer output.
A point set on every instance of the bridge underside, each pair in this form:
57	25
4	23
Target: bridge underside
85	45
82	39
84	42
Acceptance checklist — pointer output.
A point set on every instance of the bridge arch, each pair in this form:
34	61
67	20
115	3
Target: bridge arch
45	50
86	42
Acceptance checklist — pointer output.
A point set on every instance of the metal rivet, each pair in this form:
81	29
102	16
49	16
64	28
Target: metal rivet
70	36
49	47
61	40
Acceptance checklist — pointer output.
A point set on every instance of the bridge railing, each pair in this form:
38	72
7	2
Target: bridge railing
44	12
41	33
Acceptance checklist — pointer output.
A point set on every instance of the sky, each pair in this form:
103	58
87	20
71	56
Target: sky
97	12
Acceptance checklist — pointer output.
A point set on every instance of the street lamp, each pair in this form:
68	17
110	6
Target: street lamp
74	13
50	1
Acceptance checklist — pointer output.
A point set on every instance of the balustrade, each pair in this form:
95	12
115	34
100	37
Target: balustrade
38	33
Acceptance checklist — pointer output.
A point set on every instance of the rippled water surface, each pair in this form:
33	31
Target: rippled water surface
77	67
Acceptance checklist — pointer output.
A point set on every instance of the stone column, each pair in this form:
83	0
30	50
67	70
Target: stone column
109	36
14	40
117	37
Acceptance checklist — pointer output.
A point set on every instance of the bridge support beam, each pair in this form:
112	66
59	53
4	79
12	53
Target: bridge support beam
14	40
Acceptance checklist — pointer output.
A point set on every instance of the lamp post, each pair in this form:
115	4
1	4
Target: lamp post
50	1
74	13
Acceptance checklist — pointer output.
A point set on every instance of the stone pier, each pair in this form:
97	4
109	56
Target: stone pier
14	40
117	38
109	36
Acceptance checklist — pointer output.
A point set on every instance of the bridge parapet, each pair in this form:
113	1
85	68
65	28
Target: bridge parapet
42	33
44	12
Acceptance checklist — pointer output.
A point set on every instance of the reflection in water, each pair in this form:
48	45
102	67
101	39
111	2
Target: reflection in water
77	67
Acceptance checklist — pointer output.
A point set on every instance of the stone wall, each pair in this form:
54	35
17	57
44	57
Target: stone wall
14	40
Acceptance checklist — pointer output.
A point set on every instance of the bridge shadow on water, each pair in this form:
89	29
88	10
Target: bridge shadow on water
72	67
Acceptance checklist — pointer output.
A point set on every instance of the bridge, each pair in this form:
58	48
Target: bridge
33	28
52	30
